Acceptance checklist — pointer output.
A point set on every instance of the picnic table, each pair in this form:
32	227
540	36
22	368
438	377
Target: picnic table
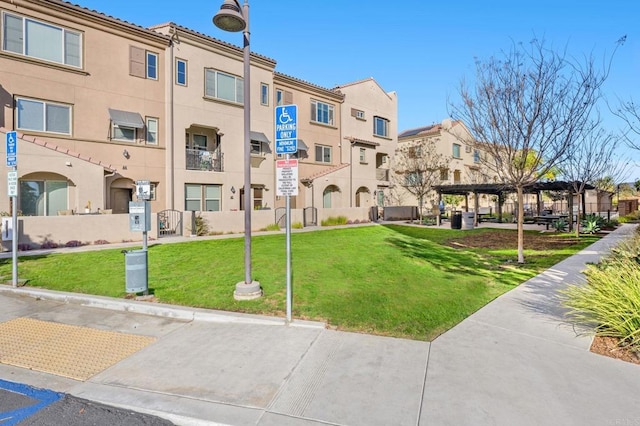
548	219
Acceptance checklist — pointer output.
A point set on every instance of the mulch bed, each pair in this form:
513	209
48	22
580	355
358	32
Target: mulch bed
608	346
499	239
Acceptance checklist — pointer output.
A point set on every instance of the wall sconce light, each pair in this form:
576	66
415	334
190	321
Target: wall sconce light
233	190
125	154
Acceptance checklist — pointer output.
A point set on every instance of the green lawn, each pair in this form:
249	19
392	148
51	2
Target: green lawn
389	280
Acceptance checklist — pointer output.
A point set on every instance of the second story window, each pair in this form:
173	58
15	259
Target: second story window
264	94
321	112
152	130
223	86
279	97
43	41
363	155
381	127
181	72
43	116
323	154
476	156
256	148
124	133
456	150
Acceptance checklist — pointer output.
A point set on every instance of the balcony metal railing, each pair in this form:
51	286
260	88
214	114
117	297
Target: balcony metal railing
382	174
205	160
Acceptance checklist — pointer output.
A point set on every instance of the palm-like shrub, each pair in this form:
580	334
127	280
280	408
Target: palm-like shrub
560	225
592	223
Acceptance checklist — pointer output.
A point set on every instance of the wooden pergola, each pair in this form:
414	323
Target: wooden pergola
501	189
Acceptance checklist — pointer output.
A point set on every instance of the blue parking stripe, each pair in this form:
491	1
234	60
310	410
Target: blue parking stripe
43	396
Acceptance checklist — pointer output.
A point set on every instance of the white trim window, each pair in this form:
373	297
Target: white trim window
151	126
279	97
321	112
381	127
264	94
152	65
203	197
223	86
43	116
40	40
123	133
181	72
323	154
363	155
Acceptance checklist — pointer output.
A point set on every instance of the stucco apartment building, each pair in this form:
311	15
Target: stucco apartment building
88	94
452	140
100	103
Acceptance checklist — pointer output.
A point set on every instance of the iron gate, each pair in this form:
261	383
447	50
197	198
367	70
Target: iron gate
281	216
169	223
310	216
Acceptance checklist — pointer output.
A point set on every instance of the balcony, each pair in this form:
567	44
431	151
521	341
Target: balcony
211	161
382	174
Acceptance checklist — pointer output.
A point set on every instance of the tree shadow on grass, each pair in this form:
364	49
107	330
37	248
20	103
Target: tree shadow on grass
442	258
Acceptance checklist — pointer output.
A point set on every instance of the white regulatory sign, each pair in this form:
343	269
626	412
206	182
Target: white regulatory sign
287	177
12	183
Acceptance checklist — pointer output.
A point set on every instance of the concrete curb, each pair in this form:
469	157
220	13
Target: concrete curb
156	309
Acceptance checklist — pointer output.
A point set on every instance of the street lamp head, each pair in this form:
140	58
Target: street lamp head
229	17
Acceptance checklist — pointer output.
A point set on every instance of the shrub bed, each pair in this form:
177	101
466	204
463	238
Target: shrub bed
609	302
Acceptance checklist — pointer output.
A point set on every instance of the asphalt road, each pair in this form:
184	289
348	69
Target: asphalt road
27	406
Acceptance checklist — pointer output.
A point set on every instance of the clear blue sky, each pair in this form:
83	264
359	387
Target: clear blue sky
418	48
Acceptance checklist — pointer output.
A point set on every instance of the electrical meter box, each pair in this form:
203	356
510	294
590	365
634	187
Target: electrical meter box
139	216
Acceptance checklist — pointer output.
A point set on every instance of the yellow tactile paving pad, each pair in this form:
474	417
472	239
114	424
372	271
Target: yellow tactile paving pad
64	350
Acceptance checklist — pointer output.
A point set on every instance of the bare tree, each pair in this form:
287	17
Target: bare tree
629	111
592	159
526	110
418	167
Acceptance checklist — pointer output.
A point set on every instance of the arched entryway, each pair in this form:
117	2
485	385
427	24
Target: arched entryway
362	196
330	197
120	193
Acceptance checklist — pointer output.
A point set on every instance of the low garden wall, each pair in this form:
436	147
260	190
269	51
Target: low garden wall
36	231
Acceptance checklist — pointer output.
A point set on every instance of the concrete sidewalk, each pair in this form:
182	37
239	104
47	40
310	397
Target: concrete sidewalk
512	362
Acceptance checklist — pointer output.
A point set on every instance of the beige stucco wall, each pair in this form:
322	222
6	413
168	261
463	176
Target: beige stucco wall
114	228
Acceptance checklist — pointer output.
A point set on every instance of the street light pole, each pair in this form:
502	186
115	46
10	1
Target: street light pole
232	17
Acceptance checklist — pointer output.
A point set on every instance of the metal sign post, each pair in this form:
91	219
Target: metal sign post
12	190
287	143
287	177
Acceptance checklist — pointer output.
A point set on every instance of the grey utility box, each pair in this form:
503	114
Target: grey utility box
136	271
139	216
